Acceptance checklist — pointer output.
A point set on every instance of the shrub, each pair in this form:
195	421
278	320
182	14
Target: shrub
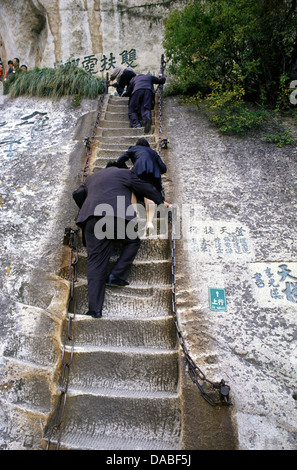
280	138
232	53
233	115
206	40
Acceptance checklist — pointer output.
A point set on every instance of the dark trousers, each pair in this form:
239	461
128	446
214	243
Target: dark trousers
99	253
140	103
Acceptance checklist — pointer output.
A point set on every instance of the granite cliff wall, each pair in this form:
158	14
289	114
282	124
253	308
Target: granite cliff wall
95	33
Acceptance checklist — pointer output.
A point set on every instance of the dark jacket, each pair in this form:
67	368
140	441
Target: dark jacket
145	161
124	81
144	82
104	187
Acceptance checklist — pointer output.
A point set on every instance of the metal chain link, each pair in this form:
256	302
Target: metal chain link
71	238
196	374
73	243
194	371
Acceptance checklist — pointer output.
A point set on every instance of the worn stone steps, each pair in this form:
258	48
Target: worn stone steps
110	153
140	301
117	125
124	382
158	332
124	132
108	417
95	441
150	272
124	141
118	104
120	117
150	249
133	369
122	100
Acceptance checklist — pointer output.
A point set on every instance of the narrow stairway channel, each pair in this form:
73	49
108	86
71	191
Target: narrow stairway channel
124	385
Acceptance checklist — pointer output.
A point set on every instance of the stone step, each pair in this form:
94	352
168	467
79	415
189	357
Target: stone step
116	369
151	249
106	149
120	116
98	418
125	132
74	441
115	123
117	108
108	155
122	100
156	273
125	141
114	128
150	246
135	301
101	163
123	332
112	151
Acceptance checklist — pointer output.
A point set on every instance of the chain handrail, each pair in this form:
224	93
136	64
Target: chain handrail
196	374
71	238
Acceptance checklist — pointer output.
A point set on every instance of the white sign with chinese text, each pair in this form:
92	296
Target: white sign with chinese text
275	284
209	240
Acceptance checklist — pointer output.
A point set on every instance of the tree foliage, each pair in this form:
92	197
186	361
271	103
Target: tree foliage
248	44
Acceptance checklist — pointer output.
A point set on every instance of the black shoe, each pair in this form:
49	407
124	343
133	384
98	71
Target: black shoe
95	313
147	126
115	281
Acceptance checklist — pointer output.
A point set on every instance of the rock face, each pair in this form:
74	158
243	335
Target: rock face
95	33
239	200
41	159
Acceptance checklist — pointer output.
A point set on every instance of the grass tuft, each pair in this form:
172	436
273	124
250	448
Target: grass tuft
65	80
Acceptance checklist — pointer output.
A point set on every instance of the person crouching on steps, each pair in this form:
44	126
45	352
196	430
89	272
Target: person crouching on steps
105	212
148	166
141	93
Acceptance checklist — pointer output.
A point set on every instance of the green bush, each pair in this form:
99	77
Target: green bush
207	40
231	53
231	114
280	138
64	80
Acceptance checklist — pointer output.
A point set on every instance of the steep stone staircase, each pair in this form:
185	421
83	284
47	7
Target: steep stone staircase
124	385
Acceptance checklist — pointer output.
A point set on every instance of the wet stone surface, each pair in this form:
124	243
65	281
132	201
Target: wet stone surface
40	163
38	159
239	197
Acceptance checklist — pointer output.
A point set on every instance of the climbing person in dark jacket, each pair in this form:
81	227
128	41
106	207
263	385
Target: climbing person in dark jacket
141	92
148	166
122	77
105	214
